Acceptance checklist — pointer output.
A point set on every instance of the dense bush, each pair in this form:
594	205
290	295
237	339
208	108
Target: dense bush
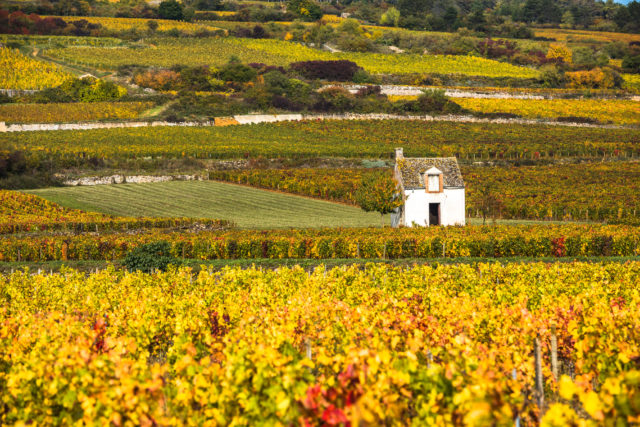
431	101
631	64
497	48
171	9
307	10
19	23
257	32
342	70
12	162
157	79
237	72
597	78
150	257
87	89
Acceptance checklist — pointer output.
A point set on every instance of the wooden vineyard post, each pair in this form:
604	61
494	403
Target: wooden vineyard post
307	348
554	353
514	376
539	378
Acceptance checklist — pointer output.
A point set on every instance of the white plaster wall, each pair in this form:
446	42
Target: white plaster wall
452	208
266	118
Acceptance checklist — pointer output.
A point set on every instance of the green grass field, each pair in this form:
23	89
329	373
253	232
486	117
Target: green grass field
247	207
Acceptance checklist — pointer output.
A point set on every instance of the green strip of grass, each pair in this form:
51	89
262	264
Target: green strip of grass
247	207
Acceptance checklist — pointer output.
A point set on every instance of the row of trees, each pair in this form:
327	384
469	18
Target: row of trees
483	14
441	15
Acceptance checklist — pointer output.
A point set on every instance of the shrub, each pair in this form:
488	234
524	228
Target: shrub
87	89
560	52
157	79
361	76
598	78
355	43
551	77
434	101
237	72
12	163
497	48
335	98
308	10
342	70
631	64
369	90
149	257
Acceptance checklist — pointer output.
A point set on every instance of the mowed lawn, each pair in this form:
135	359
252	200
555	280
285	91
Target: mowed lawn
247	207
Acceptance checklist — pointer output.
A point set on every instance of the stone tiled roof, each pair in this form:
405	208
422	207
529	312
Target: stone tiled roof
411	170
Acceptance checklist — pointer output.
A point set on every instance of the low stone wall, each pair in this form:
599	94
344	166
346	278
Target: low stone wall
251	119
401	90
30	127
17	92
132	179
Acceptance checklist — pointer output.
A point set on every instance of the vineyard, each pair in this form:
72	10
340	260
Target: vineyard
338	185
566	35
426	345
71	112
597	110
525	316
353	243
218	51
18	71
601	191
612	111
355	139
25	213
596	191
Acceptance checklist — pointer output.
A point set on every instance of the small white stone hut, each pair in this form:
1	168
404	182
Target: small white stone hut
432	189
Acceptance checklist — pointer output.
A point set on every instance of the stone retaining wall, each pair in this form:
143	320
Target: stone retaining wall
132	179
250	119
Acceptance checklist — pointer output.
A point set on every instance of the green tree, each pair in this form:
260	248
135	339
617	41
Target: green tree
489	201
378	193
170	9
415	7
390	17
305	9
450	18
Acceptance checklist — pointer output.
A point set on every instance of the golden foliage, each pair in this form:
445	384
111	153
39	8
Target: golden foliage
18	71
71	112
